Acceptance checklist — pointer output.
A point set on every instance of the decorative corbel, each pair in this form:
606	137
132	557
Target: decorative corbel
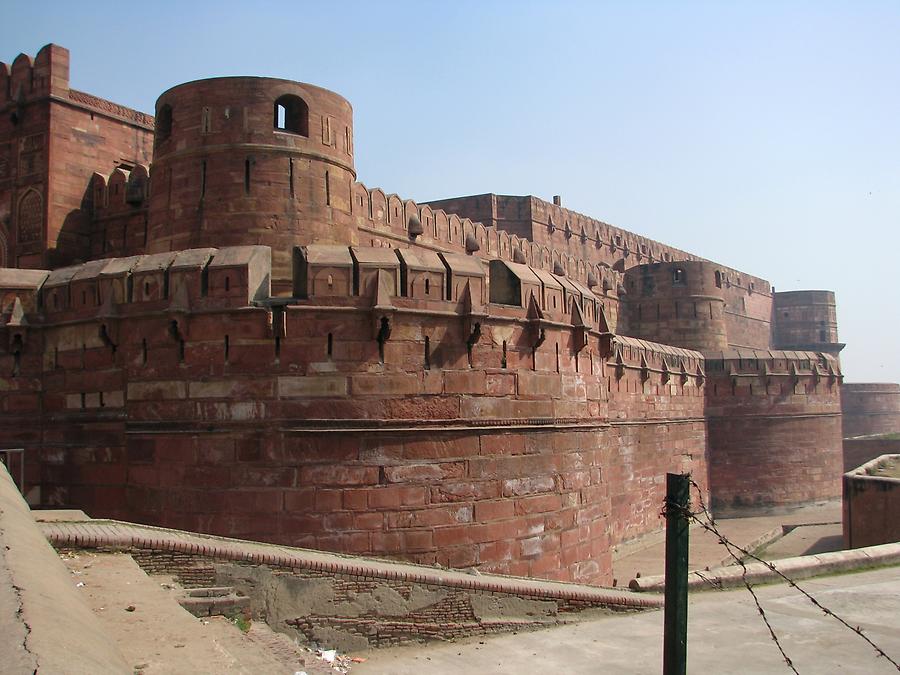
474	314
580	327
619	364
701	376
645	368
176	330
382	308
106	336
684	374
535	318
109	323
606	335
16	326
666	373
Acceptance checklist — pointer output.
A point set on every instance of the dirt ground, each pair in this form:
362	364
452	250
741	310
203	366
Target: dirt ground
158	636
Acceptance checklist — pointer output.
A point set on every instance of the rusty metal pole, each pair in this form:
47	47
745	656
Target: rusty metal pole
678	496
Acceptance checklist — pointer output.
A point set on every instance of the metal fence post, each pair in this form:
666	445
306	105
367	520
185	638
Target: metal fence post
678	496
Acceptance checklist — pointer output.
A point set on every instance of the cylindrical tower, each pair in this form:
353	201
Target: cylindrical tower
774	430
679	304
806	320
251	160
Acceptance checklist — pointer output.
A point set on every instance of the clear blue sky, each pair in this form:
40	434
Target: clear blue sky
765	136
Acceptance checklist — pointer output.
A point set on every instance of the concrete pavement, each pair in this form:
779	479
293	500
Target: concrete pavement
726	635
646	556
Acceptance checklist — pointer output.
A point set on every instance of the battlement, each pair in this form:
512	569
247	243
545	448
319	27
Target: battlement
199	278
764	372
28	78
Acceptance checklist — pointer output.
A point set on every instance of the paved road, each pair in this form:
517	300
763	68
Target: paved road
725	636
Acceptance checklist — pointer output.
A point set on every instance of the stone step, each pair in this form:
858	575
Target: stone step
209	592
215	601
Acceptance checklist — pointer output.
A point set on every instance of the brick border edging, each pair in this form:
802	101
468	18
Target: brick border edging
485	583
800	567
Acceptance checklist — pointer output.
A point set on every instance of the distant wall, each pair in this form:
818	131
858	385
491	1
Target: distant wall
859	451
870	409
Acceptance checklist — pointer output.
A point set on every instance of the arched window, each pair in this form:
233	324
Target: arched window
164	122
718	279
292	115
678	276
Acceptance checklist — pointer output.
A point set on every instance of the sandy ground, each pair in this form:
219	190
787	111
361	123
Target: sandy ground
158	636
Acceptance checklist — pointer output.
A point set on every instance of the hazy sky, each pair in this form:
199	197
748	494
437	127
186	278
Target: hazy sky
765	136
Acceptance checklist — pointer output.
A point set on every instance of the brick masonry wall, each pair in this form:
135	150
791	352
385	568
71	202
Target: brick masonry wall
45	213
774	438
367	609
870	409
508	469
871	506
345	601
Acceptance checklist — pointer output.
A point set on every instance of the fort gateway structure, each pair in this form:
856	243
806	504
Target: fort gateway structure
209	323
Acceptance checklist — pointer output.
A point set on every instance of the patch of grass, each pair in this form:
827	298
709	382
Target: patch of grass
241	622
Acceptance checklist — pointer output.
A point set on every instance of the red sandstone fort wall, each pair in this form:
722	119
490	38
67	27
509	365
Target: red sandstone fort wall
161	416
870	409
327	396
770	413
44	123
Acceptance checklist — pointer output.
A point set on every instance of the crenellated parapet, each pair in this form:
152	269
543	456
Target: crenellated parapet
28	79
192	279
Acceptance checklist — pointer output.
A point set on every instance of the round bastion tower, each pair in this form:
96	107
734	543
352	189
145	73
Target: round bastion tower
679	303
251	160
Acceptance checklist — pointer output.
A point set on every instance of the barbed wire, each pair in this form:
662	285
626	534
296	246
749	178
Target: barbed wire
709	524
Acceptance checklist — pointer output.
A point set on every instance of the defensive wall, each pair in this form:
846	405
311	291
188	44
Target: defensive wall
259	345
870	409
45	213
863	449
172	389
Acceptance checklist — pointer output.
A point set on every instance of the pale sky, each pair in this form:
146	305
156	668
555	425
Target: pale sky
765	136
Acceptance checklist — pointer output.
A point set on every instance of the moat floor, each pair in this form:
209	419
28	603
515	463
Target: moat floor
725	636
